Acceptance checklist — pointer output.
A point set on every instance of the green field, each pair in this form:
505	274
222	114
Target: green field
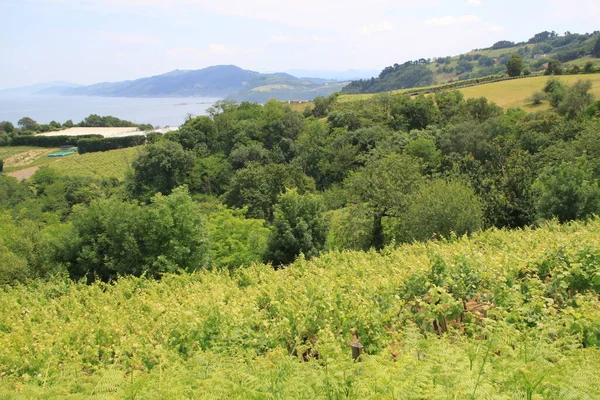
108	164
509	93
504	315
514	93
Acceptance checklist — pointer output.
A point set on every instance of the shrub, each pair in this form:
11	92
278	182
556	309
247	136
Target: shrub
90	145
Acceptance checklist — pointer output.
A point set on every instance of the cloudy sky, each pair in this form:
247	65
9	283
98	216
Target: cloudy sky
87	41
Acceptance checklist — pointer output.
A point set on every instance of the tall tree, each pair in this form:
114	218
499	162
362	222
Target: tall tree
298	227
514	66
382	187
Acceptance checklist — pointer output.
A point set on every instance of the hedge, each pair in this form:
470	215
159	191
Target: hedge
105	144
48	141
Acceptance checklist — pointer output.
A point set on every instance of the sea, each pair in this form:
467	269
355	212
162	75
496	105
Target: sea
161	112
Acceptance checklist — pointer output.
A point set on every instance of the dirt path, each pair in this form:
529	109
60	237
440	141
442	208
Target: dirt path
26	157
23	173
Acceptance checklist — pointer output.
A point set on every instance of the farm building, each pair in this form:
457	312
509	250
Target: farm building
106	132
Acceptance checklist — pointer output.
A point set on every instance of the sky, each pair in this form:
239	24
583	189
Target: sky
89	41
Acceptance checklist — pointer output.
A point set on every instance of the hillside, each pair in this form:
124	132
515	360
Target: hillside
530	314
571	50
509	93
217	81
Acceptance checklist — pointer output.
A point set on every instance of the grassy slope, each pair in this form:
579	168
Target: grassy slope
211	335
511	93
515	92
19	154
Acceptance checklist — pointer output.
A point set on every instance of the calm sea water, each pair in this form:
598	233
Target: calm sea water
155	111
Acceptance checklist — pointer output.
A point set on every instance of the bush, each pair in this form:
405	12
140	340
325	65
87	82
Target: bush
537	97
104	144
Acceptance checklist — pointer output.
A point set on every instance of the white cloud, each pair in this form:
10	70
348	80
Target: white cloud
308	14
474	2
384	26
133	38
452	20
211	50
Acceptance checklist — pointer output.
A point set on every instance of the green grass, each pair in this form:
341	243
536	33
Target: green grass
509	93
108	164
514	93
266	334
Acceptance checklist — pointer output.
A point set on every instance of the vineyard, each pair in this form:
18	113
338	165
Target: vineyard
502	315
108	164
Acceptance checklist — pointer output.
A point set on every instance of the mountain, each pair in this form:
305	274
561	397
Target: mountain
38	87
218	81
572	49
285	87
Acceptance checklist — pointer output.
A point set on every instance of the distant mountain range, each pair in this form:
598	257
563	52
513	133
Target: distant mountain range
40	88
226	81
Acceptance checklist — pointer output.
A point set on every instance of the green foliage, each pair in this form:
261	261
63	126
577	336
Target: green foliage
383	187
517	312
514	66
567	192
257	187
112	238
106	144
160	168
299	227
577	99
440	209
235	241
596	48
50	141
537	97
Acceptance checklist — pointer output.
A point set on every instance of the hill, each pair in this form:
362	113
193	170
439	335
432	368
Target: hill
570	49
218	81
508	93
473	318
40	88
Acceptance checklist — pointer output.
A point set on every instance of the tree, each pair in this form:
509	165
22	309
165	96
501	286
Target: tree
596	49
28	124
257	187
556	91
7	127
567	191
578	98
161	167
514	66
112	238
440	209
554	67
382	187
298	227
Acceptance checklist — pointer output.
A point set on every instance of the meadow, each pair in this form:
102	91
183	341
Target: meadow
509	93
501	315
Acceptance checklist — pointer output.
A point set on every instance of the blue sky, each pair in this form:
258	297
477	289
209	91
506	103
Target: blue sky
88	41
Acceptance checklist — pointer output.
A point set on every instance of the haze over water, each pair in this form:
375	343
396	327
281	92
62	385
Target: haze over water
155	111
